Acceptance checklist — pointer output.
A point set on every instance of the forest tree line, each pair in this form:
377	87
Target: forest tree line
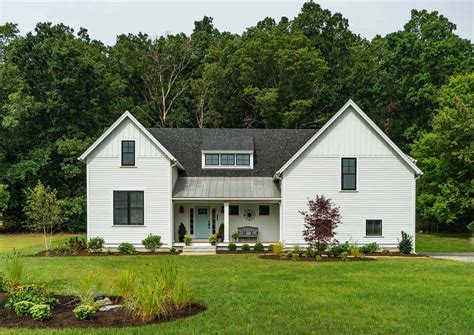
59	90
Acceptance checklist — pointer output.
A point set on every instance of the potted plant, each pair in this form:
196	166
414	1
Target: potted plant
235	235
213	239
187	239
220	235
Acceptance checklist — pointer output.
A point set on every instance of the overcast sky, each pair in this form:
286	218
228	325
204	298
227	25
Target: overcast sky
107	19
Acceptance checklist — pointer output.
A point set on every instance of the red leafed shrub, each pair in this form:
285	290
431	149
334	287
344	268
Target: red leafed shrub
320	222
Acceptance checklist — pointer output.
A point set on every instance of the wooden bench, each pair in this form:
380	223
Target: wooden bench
247	232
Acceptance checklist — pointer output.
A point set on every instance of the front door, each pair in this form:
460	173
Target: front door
203	222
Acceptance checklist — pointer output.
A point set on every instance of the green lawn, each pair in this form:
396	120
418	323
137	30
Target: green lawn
247	295
28	243
444	243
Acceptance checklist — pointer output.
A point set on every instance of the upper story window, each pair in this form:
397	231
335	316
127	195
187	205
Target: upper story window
233	209
212	159
128	153
227	160
349	174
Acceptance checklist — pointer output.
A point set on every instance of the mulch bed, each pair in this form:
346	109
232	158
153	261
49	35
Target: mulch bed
224	252
397	254
45	253
323	259
63	317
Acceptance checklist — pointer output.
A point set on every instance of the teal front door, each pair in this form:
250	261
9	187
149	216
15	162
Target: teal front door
203	222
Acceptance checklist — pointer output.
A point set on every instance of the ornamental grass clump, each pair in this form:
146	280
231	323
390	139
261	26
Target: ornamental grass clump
154	293
13	269
278	248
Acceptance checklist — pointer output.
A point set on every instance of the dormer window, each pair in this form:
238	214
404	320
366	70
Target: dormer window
227	160
128	153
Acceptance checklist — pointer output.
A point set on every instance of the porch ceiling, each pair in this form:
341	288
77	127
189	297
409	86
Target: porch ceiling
226	188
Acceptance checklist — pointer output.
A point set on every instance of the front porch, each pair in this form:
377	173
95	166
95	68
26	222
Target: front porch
201	219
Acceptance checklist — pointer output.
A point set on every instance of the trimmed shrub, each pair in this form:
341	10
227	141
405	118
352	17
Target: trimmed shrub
173	250
221	232
127	248
95	244
152	242
344	256
270	248
370	248
245	247
40	312
385	252
232	246
258	247
337	249
77	245
84	312
181	232
23	307
405	245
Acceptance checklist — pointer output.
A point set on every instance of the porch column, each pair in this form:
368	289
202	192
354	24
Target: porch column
226	222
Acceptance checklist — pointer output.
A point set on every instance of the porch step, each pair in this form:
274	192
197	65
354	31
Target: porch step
199	249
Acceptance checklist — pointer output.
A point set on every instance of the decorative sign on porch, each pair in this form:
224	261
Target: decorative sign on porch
249	214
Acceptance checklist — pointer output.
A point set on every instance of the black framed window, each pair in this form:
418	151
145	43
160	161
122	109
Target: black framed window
128	153
191	221
128	208
264	210
373	227
348	173
227	159
212	159
233	209
242	159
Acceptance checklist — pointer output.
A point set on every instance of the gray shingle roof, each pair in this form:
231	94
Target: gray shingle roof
226	188
272	148
221	142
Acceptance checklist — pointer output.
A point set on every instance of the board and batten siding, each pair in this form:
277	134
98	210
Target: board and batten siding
385	184
152	174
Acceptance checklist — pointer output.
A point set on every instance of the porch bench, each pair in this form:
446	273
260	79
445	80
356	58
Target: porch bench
247	232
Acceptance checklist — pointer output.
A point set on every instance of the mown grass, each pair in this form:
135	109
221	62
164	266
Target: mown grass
444	243
248	295
28	243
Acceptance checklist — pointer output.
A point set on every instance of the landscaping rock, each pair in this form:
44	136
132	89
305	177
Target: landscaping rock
109	307
105	302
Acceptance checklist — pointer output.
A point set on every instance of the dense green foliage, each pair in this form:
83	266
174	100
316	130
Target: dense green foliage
59	90
152	242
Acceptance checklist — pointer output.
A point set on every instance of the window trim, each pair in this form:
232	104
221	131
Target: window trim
269	210
381	228
128	200
238	210
134	153
342	175
226	152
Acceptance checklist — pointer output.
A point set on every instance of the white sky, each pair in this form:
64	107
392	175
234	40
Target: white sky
107	19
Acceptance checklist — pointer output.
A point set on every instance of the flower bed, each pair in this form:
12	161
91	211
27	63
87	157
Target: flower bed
312	259
63	316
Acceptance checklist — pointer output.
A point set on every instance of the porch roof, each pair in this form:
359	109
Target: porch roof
226	188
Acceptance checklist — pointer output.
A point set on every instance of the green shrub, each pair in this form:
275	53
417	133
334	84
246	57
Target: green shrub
354	250
232	246
127	248
370	248
405	245
245	247
173	250
84	312
337	249
317	257
278	247
258	247
220	234
213	239
295	256
40	312
23	307
77	245
187	239
61	248
34	293
470	227
344	256
235	235
298	250
14	268
181	232
385	252
96	244
270	248
152	242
